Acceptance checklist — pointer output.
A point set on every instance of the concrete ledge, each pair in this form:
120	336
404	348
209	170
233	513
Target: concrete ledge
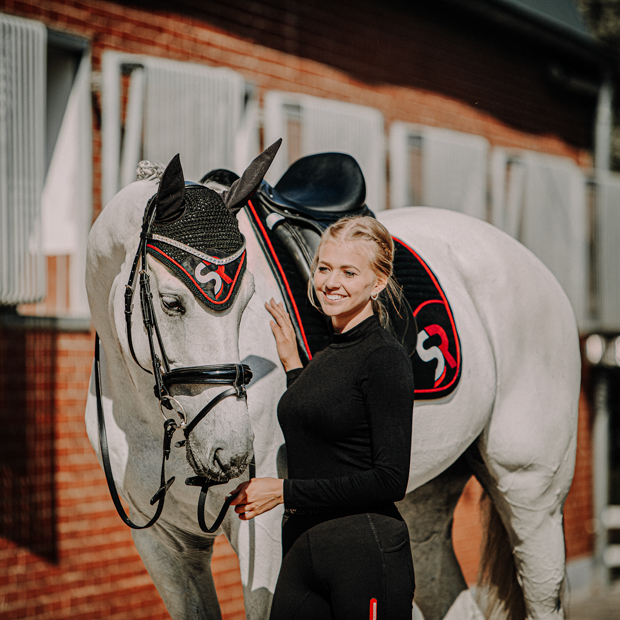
60	324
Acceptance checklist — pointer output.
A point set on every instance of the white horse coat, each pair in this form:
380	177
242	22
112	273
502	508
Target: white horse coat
516	400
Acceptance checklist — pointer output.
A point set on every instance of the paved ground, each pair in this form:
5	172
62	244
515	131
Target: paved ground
598	605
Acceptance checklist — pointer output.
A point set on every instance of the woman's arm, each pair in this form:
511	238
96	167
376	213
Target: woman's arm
259	495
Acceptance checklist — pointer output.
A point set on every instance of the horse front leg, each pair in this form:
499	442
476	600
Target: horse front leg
257	544
180	566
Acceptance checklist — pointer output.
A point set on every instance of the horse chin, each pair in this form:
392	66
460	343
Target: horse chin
219	465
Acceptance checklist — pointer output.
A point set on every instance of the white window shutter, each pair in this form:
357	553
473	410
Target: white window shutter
453	171
192	110
201	112
608	250
22	158
331	126
555	222
541	201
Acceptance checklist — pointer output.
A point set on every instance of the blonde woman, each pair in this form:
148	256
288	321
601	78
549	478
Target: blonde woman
346	419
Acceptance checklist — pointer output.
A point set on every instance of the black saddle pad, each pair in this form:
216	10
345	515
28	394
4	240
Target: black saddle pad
436	359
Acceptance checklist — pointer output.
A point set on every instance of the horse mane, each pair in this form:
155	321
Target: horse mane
149	171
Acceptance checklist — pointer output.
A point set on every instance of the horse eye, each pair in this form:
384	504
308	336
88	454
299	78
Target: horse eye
172	304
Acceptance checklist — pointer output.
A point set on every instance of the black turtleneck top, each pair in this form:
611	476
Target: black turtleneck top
346	419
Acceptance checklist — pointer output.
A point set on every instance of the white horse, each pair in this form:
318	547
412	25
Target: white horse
512	420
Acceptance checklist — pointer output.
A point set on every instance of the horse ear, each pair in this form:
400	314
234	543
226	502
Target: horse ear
241	190
171	193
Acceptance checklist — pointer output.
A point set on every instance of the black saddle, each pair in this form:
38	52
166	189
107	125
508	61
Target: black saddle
326	186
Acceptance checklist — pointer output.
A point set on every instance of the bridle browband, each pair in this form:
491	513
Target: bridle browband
235	375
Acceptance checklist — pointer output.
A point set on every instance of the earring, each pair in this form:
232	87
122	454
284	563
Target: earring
374	297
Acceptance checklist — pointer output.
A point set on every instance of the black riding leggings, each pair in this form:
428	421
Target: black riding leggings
349	568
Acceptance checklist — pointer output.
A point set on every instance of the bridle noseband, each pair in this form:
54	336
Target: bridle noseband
235	375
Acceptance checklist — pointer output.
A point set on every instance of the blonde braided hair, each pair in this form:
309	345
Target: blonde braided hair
380	251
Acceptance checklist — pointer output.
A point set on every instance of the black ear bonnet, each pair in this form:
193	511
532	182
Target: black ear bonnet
195	232
203	247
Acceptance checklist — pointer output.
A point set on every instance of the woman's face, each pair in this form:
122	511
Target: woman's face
344	282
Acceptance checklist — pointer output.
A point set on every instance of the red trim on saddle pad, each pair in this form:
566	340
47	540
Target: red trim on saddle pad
286	284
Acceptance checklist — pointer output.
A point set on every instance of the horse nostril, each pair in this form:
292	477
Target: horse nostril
217	461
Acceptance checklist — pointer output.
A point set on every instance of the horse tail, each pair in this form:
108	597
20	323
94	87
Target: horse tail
497	575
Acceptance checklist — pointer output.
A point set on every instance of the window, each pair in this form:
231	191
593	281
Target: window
436	167
46	144
153	108
309	125
22	158
541	200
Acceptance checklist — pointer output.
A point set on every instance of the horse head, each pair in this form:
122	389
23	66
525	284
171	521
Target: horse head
167	284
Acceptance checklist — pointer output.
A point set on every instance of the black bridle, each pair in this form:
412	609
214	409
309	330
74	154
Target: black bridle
235	375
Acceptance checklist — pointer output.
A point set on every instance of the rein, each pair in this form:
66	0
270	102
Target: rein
235	375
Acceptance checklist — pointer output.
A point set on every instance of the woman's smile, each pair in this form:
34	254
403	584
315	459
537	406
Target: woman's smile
344	282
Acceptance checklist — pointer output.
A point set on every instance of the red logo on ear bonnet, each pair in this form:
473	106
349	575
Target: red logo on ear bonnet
203	247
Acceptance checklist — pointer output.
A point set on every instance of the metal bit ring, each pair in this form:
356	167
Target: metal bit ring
180	411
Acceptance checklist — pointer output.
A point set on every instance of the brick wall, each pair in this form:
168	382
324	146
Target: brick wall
63	551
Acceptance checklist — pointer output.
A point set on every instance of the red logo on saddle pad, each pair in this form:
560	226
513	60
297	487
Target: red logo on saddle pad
437	357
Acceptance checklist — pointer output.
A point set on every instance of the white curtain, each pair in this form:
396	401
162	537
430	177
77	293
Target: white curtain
22	158
331	126
454	171
206	114
541	200
67	207
608	250
454	168
192	110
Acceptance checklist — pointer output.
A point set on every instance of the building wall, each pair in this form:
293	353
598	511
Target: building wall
63	550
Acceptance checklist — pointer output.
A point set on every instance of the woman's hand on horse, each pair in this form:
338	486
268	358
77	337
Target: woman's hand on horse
283	331
256	496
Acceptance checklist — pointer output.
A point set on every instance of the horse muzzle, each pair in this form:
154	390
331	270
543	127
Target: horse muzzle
221	448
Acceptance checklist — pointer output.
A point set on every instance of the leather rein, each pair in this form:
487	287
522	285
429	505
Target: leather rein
235	375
